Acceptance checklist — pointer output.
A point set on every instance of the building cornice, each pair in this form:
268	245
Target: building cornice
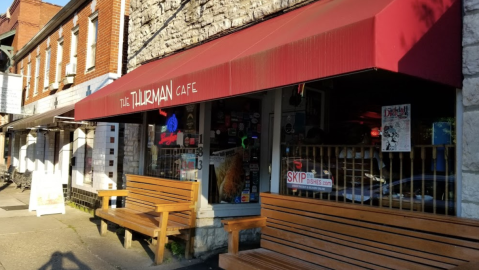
52	25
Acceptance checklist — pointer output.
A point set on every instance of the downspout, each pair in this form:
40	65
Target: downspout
120	37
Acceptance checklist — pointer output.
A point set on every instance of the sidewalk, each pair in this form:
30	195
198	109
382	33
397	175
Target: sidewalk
71	241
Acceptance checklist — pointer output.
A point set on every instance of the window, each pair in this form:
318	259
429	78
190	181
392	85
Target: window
27	88
46	78
58	73
92	39
37	75
73	52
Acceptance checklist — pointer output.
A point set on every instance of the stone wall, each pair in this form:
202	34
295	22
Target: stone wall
160	27
211	238
470	147
131	154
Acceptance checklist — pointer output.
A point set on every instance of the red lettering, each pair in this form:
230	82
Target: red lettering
167	140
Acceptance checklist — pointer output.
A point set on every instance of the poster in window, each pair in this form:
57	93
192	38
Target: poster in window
396	128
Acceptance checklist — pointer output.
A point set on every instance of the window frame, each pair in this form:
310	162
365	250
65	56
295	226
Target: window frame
46	78
92	41
74	48
59	61
37	75
29	76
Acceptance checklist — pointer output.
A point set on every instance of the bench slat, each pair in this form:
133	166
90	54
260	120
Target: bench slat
345	252
412	221
354	223
383	236
358	243
180	217
186	185
182	194
265	260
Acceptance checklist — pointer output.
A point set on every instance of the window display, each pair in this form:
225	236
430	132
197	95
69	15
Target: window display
235	142
172	143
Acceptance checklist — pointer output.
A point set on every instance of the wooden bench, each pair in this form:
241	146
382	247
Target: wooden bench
155	207
302	233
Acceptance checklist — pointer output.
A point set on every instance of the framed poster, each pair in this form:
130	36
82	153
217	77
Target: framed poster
396	128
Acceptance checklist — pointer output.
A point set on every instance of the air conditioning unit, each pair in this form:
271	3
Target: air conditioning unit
71	69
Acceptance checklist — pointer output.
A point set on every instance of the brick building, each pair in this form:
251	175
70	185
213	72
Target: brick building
79	51
22	20
18	24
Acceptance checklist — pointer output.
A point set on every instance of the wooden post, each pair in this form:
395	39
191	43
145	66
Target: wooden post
127	240
160	247
103	227
233	242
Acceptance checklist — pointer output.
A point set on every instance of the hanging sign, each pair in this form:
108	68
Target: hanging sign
396	128
307	181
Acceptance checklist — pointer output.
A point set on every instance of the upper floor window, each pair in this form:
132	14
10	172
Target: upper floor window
73	53
92	39
58	74
29	74
46	78
37	76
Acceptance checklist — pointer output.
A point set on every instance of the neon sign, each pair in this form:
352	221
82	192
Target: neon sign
163	113
172	123
167	140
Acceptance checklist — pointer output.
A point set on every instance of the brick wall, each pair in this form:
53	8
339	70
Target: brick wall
106	54
27	17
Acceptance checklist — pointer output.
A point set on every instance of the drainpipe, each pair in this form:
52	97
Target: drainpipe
120	37
459	126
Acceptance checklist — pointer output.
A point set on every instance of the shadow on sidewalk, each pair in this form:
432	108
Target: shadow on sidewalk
56	261
5	185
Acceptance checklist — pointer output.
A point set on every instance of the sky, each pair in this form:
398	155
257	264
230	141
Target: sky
4	4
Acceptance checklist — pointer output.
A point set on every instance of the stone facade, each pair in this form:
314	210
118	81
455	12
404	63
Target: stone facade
131	160
160	27
210	236
470	147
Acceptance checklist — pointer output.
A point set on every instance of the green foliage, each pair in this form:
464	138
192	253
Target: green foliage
81	208
176	248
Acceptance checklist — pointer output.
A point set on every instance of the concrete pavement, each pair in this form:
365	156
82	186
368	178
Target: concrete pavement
71	241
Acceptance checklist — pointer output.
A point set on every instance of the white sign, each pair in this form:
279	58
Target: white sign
396	128
11	93
307	181
46	196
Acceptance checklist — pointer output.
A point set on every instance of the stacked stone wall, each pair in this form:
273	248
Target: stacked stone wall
470	147
161	27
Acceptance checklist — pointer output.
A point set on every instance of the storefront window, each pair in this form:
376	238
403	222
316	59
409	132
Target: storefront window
372	141
172	143
235	147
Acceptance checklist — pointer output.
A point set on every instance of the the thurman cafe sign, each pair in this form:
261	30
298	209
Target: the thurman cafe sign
11	95
164	93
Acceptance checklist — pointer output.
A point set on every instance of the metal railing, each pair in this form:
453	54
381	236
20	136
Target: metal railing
422	180
168	162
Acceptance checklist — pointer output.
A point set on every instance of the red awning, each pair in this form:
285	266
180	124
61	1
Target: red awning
416	37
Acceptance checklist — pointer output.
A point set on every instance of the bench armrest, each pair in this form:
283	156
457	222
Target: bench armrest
106	194
235	225
173	207
109	193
